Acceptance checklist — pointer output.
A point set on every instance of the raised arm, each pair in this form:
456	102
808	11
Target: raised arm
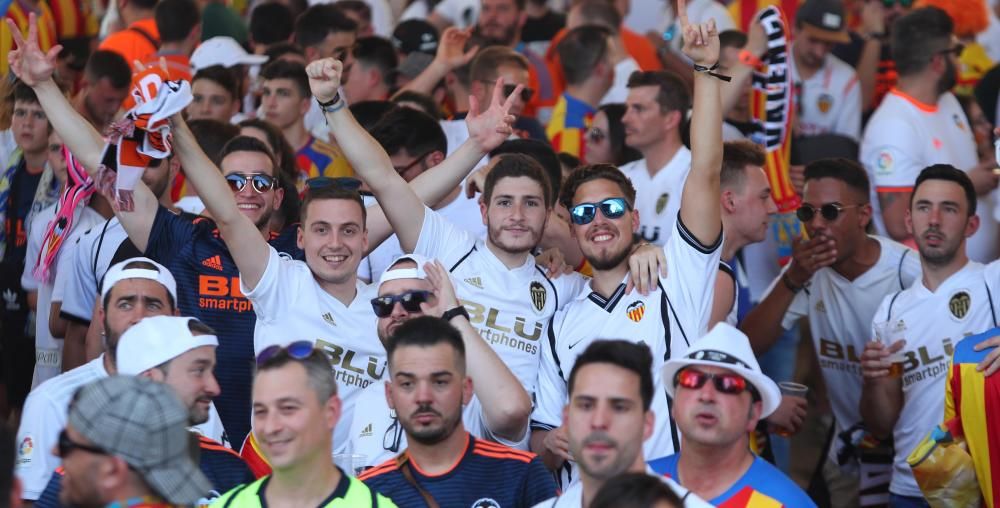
406	213
35	69
451	54
700	202
244	239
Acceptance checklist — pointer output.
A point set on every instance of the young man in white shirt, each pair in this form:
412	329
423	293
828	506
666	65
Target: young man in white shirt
600	199
920	123
954	298
837	279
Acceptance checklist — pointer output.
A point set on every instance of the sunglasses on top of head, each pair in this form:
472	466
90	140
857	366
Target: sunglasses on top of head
260	182
829	211
299	350
343	182
410	301
612	208
729	384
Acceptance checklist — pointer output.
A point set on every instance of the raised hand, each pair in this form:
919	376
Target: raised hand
701	41
444	290
27	61
324	78
491	127
451	51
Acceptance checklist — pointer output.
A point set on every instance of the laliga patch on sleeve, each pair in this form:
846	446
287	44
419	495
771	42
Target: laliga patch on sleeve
25	450
883	164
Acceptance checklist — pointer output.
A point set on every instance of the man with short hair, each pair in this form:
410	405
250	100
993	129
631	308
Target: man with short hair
828	93
836	279
373	74
953	299
323	31
133	289
285	101
104	86
601	202
126	437
216	94
270	23
140	37
585	54
179	25
295	411
920	123
719	395
428	386
180	353
608	416
655	109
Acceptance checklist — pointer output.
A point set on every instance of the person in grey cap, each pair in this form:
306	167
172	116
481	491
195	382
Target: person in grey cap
126	442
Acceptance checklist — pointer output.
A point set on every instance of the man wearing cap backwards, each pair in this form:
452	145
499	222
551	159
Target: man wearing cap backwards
133	289
178	352
608	417
126	444
295	409
719	395
829	96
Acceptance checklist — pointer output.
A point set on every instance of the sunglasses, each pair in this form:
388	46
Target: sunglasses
299	350
526	93
65	446
410	301
611	208
261	183
829	211
402	170
902	3
730	384
595	135
344	182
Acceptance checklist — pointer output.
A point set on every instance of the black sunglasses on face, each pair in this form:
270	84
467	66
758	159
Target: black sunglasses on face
410	301
66	445
299	350
829	211
595	135
261	183
612	208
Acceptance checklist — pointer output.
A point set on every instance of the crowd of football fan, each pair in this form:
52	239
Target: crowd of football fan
499	253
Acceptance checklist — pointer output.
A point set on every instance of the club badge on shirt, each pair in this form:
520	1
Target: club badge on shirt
538	295
959	304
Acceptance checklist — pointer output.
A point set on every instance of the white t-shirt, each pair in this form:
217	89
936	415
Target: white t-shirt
48	350
290	305
376	433
903	137
840	313
461	13
573	496
508	307
668	320
934	322
84	268
830	100
658	197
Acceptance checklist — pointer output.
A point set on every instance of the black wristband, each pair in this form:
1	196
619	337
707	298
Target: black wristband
457	311
331	102
711	71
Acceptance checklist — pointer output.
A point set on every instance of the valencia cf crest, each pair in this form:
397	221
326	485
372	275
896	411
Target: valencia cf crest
486	503
824	103
959	304
538	295
636	310
661	202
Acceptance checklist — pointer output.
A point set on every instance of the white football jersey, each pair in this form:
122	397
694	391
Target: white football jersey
830	100
905	136
290	306
840	313
508	307
933	323
573	496
86	267
668	320
658	197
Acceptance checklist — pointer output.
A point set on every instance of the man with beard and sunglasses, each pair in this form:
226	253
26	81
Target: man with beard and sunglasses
719	395
921	123
444	465
836	279
601	202
914	331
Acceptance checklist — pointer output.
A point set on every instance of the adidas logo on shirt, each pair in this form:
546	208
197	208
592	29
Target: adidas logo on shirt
475	281
214	262
329	319
820	307
367	431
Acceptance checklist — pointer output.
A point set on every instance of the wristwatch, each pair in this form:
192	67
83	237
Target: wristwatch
457	311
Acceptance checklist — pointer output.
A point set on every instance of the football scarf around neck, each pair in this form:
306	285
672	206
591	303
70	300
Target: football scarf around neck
79	188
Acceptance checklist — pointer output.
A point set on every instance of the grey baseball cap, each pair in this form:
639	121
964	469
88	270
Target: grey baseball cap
143	423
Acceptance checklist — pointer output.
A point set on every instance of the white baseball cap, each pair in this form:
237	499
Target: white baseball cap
405	273
156	340
118	273
224	51
728	348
